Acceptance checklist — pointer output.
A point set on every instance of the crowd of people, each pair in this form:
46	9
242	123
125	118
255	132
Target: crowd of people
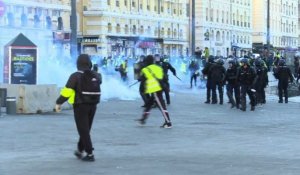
240	77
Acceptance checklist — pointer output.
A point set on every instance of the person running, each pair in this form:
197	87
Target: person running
153	75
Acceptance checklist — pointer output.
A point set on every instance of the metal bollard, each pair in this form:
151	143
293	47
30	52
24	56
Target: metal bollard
11	106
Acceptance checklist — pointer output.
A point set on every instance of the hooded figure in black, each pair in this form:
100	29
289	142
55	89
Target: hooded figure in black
84	103
207	73
284	75
247	78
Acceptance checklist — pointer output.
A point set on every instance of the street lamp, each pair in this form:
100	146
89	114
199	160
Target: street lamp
193	28
73	26
268	26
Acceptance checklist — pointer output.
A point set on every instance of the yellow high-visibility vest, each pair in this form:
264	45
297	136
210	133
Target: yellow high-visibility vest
152	84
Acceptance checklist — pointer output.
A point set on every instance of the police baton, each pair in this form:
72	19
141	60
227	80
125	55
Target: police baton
133	84
177	77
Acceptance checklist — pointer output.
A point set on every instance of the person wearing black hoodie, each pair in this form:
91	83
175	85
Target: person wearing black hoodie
84	103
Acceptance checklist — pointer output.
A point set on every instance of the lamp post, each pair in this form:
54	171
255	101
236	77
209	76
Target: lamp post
73	24
268	26
193	28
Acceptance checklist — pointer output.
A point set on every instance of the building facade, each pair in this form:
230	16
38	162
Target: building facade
224	26
133	27
45	22
284	23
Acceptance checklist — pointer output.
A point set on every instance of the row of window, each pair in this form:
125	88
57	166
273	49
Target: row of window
284	41
158	32
223	37
171	8
237	19
32	11
286	8
242	2
36	21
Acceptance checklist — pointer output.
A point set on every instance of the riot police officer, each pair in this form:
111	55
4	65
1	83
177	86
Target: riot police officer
166	66
262	81
233	86
217	72
138	68
247	78
207	73
283	74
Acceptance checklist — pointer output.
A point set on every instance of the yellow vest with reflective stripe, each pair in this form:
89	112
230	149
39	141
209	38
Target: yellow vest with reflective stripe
152	85
68	93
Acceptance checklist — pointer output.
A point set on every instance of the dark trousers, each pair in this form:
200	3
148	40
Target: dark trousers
167	92
245	89
84	115
214	87
233	88
260	95
193	78
144	96
208	89
124	76
156	97
282	90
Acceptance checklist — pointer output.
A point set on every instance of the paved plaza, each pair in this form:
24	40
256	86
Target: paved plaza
205	140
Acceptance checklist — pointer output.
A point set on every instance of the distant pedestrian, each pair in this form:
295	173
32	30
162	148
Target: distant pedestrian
83	92
194	72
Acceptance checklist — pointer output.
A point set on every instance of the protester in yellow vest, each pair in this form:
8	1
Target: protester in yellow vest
152	76
84	97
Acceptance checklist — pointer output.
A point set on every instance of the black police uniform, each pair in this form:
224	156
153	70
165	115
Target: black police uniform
167	66
283	74
145	97
217	72
261	82
207	73
231	77
246	79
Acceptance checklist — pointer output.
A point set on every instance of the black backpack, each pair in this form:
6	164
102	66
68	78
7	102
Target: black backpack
90	87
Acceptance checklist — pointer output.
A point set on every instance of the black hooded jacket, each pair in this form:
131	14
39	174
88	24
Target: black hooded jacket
83	64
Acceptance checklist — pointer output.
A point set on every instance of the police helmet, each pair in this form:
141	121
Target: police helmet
149	60
258	62
220	61
245	61
211	59
281	62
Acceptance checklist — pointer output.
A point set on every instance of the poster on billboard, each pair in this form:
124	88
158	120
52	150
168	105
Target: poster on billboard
23	65
20	61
